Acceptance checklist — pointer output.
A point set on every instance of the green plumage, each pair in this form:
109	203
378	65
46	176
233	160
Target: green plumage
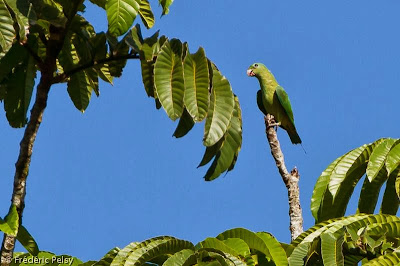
274	100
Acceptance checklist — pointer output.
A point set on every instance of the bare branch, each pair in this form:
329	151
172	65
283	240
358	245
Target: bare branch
291	179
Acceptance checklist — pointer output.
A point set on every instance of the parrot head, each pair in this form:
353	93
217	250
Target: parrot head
256	69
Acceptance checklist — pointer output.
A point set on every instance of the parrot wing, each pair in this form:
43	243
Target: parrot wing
284	100
260	102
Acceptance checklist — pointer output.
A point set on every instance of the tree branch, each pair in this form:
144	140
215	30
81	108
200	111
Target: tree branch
291	179
63	76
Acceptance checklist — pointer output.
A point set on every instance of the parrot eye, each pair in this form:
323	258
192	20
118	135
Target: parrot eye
256	65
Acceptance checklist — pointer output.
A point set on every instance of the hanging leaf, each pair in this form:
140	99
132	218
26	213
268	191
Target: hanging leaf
185	124
7	32
229	147
27	241
196	84
168	78
378	157
332	249
121	14
220	108
393	159
370	192
80	90
165	5
19	89
146	14
10	223
390	200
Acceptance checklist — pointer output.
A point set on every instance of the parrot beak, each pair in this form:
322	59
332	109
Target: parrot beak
250	73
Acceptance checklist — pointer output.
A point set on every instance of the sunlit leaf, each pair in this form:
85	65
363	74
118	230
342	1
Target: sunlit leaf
230	146
196	84
146	14
331	249
165	5
80	90
378	157
19	89
7	32
393	159
168	78
10	223
121	14
220	109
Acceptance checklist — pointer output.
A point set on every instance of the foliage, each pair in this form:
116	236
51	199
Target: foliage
189	87
379	162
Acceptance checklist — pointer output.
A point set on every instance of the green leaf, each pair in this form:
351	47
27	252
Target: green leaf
16	55
220	108
26	240
165	5
390	200
393	159
251	239
19	92
22	21
80	90
146	14
168	78
134	39
331	249
340	182
147	62
230	146
116	67
276	251
7	31
185	124
123	254
378	157
10	223
196	84
121	14
239	245
216	244
48	12
108	258
155	247
370	192
387	259
397	186
183	257
211	152
298	254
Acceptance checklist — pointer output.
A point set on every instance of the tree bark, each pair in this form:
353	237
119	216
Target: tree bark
291	179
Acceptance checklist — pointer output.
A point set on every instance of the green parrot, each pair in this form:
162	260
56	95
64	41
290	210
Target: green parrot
274	100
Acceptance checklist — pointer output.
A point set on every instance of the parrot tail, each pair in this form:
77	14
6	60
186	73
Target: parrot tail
294	137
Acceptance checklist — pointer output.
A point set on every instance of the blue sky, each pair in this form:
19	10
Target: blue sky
115	174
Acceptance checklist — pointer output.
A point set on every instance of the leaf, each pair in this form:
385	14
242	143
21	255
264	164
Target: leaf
19	92
80	90
22	21
239	245
123	254
165	5
196	84
331	249
370	192
10	223
146	14
16	55
390	200
168	78
378	157
393	159
155	247
108	258
185	124
230	146
220	109
48	12
251	239
26	240
276	251
121	14
7	32
135	39
116	67
216	244
183	257
387	259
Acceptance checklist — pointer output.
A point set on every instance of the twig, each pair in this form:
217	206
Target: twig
291	179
